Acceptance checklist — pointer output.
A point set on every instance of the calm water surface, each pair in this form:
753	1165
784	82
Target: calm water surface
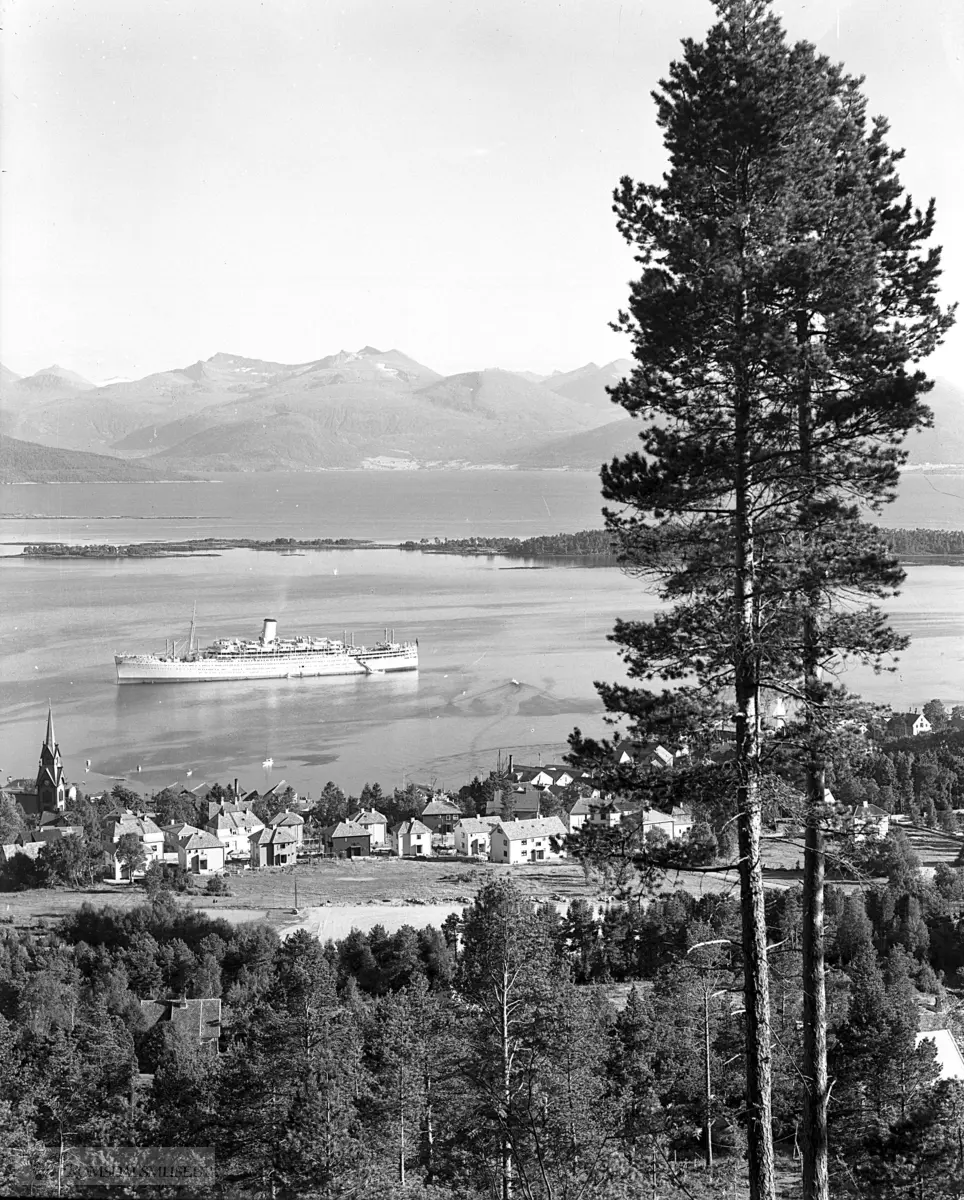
508	655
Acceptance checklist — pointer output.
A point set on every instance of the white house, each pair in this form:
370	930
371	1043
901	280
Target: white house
868	820
674	825
472	835
173	835
908	724
201	853
117	824
411	838
375	823
576	813
234	827
527	841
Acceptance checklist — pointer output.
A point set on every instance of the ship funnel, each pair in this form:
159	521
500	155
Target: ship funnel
270	631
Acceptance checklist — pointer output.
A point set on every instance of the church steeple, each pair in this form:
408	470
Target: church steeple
49	741
51	789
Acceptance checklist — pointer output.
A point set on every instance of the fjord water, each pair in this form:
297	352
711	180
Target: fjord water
508	653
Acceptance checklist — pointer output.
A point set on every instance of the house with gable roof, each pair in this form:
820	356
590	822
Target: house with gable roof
53	825
122	822
472	835
292	821
867	820
908	724
233	827
540	840
375	823
198	1021
575	812
440	815
277	847
201	853
20	845
524	800
346	839
412	839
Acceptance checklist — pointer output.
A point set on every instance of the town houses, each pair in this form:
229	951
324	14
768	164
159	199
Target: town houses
522	813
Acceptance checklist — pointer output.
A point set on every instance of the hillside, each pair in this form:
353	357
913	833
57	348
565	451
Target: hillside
585	451
944	443
27	462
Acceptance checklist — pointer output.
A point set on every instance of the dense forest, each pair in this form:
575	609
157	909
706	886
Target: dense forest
598	544
501	1049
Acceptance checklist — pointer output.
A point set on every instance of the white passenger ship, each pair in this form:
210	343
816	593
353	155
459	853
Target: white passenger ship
270	657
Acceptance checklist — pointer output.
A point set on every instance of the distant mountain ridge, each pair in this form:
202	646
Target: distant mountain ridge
26	462
347	409
352	409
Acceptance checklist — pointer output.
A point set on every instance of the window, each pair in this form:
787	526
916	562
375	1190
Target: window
202	864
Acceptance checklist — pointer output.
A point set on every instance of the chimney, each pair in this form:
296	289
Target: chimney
510	764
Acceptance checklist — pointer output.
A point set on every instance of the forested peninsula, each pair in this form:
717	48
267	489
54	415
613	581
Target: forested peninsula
594	546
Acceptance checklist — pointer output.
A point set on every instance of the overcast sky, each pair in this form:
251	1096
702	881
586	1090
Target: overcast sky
289	178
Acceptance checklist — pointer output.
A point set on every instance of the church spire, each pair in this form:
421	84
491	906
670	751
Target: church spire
51	787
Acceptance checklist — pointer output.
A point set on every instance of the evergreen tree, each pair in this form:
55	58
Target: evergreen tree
785	286
506	975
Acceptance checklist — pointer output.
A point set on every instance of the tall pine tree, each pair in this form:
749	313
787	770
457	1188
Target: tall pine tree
785	287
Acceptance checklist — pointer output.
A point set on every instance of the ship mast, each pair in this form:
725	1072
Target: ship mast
190	640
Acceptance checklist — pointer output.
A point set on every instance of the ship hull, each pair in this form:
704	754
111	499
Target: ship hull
149	668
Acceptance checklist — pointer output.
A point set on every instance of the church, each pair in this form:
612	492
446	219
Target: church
51	793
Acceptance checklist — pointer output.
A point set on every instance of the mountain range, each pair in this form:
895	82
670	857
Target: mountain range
368	408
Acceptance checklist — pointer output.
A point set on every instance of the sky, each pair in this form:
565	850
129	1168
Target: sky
286	179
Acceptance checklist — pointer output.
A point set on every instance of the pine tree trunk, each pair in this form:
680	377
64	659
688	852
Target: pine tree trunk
428	1130
815	1144
506	1145
756	979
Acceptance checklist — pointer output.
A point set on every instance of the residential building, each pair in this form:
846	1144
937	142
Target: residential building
233	827
198	1021
868	820
20	845
53	825
276	847
375	823
522	802
472	835
552	773
201	853
575	813
411	838
122	822
292	821
172	836
440	815
347	839
908	724
610	813
540	840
